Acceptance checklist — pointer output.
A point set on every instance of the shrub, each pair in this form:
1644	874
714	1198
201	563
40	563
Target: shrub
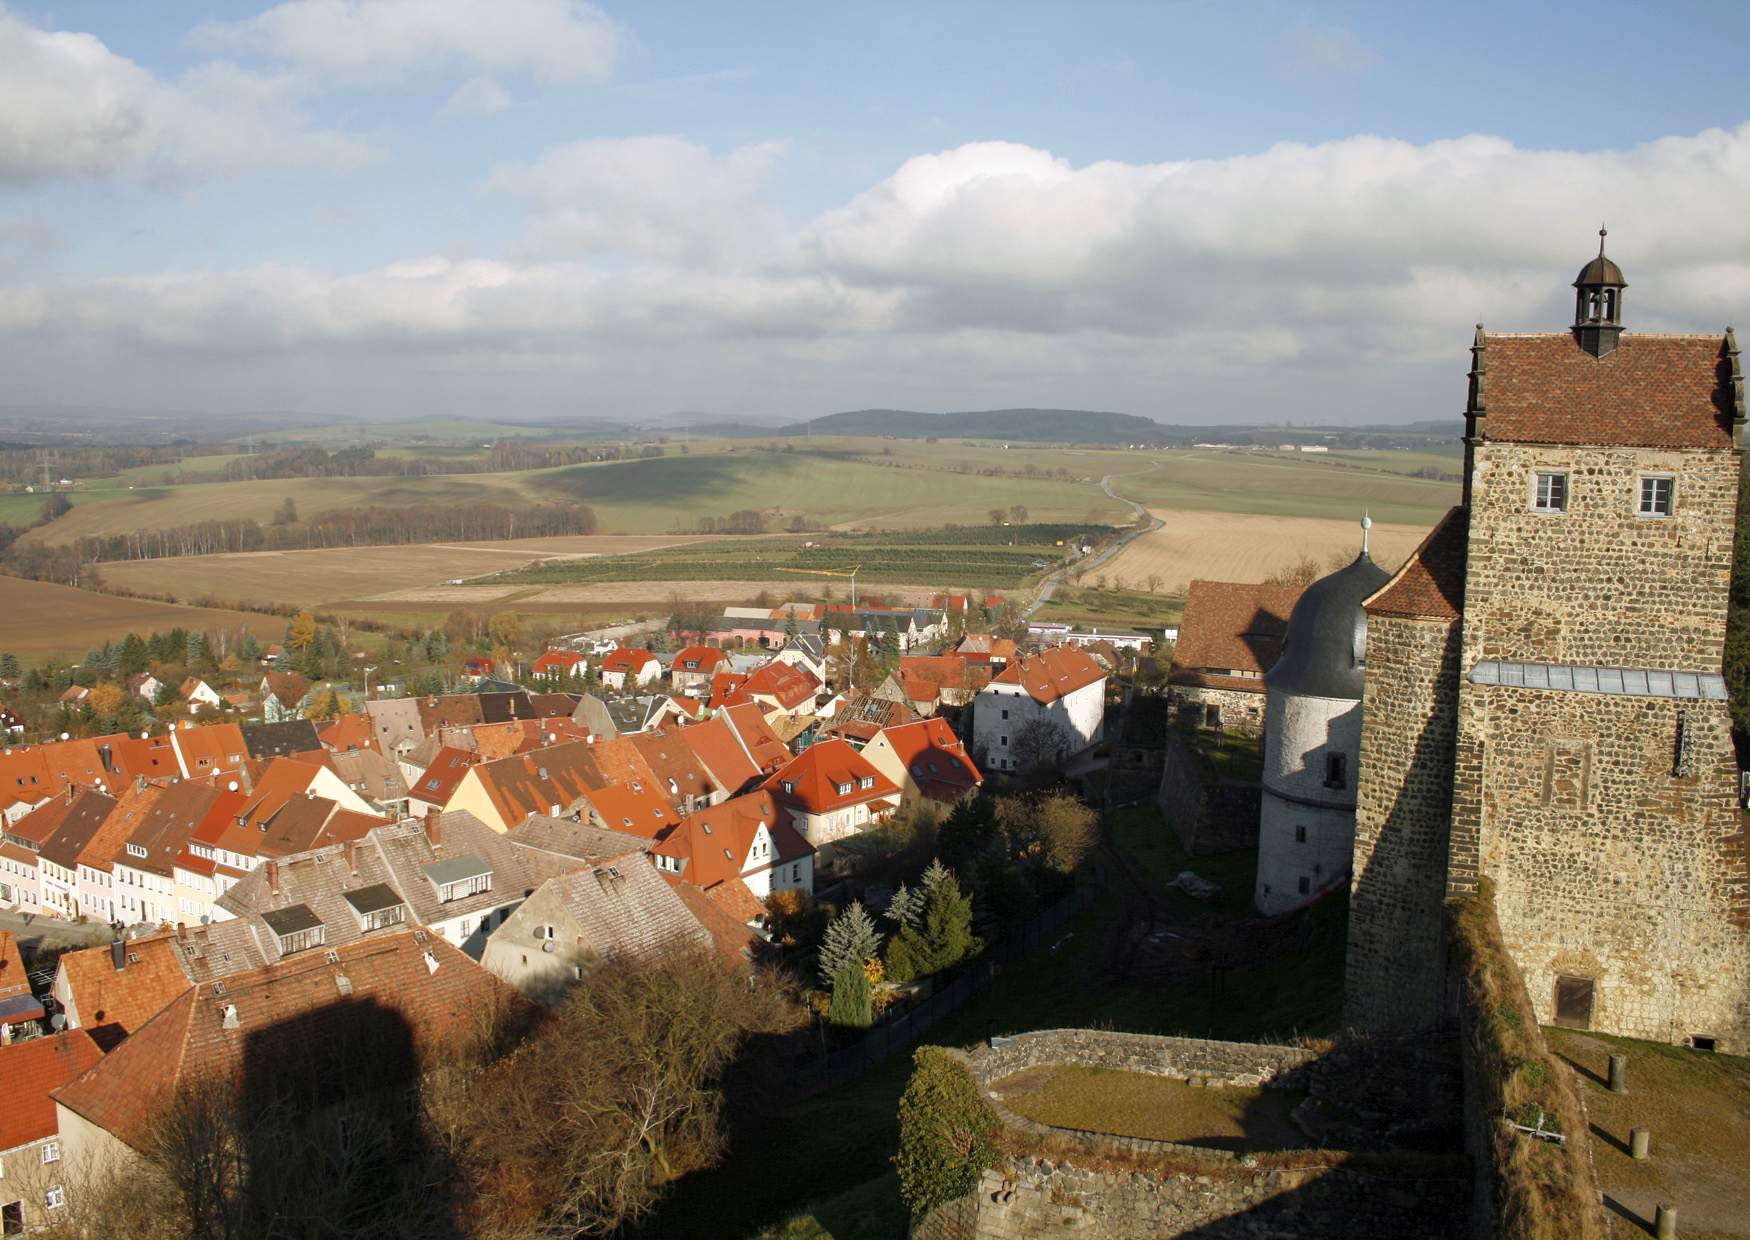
946	1132
850	1005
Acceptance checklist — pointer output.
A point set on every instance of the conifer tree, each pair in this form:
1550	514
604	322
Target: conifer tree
850	939
851	1004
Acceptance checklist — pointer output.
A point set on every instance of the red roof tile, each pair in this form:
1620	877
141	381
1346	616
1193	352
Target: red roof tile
627	659
111	1004
1232	625
1055	673
1430	585
12	978
1652	391
817	775
29	1071
935	758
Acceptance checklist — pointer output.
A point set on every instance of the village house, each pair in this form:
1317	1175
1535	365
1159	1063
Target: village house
210	751
1062	688
1230	636
199	695
347	732
738	853
694	666
10	722
805	650
163	823
279	740
928	763
554	781
282	696
73	696
571	922
557	665
397	724
784	692
737	746
629	668
988	649
32	1157
927	683
861	715
21	1014
830	791
144	685
330	998
58	832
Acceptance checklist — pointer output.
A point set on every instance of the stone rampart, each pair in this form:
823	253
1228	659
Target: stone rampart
1210	814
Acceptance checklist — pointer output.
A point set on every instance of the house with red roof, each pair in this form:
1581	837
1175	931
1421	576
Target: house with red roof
1062	688
629	667
928	762
347	732
737	746
32	1191
737	853
559	665
440	779
782	691
556	781
693	667
830	791
20	1011
928	682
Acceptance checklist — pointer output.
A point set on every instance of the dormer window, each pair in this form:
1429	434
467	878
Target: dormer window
844	789
377	906
297	928
867	782
457	878
1549	491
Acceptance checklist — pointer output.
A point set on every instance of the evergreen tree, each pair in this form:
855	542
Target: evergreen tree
907	906
850	939
943	936
195	649
134	656
249	648
8	666
850	1005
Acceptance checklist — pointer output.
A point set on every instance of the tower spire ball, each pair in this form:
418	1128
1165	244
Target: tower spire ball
1366	524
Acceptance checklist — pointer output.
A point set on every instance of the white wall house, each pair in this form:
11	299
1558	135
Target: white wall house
1063	686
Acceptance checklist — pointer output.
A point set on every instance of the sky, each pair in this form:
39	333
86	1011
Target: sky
545	209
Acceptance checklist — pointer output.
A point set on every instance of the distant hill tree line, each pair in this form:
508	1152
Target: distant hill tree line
346	527
22	466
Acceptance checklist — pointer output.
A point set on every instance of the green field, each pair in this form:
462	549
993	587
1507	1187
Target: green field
1125	609
1280	484
1004	556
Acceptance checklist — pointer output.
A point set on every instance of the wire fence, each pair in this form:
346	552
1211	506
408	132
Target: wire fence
830	1070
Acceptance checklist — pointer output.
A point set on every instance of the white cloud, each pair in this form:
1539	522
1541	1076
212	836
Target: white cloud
478	96
1336	281
1315	51
555	40
660	195
70	107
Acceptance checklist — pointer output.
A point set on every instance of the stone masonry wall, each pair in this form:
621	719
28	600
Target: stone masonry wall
1610	865
1600	584
1234	1063
1395	965
1239	709
1209	814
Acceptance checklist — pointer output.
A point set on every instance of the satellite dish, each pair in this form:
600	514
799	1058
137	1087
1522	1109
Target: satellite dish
66	735
145	735
232	785
58	1021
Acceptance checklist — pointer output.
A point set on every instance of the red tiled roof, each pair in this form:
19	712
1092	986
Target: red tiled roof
113	1004
725	913
640	810
790	685
437	783
280	1011
1232	625
217	747
1430	585
714	844
726	689
698	659
817	773
12	978
936	759
533	783
77	828
1052	674
349	731
557	663
627	659
1652	391
29	1072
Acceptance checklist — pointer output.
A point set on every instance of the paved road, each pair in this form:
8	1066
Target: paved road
1048	587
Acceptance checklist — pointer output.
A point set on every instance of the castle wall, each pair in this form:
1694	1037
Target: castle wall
1599	584
1395	965
1306	827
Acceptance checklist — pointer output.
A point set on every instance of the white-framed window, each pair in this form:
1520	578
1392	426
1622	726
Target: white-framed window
1549	491
1658	493
55	1198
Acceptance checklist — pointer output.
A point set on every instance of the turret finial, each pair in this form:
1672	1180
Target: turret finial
1603	232
1366	525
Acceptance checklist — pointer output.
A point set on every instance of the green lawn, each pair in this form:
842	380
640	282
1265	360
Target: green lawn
1231	753
1126	609
1154	1108
1149	838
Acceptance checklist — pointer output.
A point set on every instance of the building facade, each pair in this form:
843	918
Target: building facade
1545	707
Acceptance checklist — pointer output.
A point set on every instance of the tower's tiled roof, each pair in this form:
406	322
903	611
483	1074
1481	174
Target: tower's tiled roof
1653	391
1430	585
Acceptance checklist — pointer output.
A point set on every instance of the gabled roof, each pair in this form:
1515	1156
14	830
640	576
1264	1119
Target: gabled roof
679	773
816	775
790	685
713	845
279	740
289	687
212	749
438	782
737	746
863	715
1430	585
347	732
148	757
578	840
1654	391
726	688
369	773
505	706
532	783
79	826
1231	625
273	1015
111	1003
698	659
935	758
453	710
623	907
554	705
1052	674
167	825
29	1072
12	978
627	659
636	809
557	662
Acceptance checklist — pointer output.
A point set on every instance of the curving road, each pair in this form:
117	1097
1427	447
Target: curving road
1048	587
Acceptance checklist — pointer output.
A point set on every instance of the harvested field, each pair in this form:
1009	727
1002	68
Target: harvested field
1247	547
711	591
342	574
44	620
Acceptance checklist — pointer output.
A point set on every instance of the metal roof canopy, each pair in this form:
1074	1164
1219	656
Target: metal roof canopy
456	869
284	921
373	899
1617	681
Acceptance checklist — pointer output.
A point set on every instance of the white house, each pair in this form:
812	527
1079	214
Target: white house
629	667
738	853
1063	687
200	695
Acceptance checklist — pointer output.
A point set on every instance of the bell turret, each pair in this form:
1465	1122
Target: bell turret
1598	304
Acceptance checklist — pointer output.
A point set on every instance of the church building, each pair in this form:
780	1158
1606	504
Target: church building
1544	705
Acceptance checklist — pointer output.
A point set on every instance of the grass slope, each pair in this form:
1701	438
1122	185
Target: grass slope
44	621
1290	486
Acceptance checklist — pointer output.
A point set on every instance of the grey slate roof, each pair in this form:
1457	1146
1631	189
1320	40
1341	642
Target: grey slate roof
625	907
1324	653
456	869
577	840
280	740
291	919
1619	681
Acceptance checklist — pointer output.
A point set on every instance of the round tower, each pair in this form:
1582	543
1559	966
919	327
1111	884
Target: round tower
1312	738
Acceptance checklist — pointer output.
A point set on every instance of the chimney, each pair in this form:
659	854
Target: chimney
352	857
118	955
181	930
434	826
273	877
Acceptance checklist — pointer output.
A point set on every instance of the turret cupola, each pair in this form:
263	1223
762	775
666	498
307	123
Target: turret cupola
1598	304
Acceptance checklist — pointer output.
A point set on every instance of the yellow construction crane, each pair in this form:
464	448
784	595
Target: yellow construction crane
828	572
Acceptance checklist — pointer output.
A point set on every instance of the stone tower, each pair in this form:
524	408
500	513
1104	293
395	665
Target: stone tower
1312	740
1544	704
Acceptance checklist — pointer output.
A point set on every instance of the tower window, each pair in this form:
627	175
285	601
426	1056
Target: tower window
1656	496
1305	885
1549	492
1300	835
1336	770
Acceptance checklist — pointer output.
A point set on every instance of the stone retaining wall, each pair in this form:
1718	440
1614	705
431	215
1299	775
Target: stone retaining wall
1192	1059
1210	814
